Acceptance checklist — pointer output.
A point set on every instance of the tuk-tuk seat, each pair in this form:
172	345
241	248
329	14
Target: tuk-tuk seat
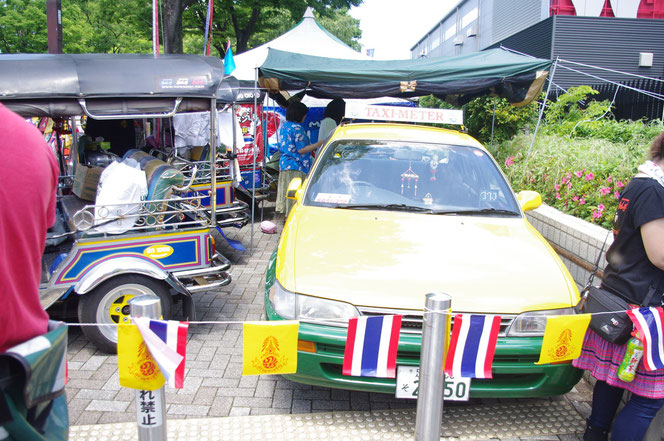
161	178
70	205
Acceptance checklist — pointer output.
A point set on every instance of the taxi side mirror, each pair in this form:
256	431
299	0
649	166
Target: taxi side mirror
529	200
293	189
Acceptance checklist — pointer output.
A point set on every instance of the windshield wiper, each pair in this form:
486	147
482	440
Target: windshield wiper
482	211
395	207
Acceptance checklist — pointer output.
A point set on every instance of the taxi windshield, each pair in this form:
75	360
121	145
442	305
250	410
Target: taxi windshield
407	176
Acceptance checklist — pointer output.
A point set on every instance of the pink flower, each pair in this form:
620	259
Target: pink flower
556	187
609	179
578	173
575	198
569	175
569	185
601	207
558	196
564	180
509	161
589	176
620	184
604	191
546	178
582	201
597	214
617	195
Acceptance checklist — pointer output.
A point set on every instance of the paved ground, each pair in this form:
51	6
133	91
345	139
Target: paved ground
214	386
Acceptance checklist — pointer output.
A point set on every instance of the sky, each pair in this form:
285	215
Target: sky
392	27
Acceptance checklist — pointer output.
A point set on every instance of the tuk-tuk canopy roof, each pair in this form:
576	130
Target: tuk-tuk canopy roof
53	84
517	78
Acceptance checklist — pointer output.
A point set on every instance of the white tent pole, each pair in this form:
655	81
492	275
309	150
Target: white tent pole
539	118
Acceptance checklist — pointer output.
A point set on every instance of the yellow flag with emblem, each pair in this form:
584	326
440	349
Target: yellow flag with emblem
269	347
563	338
137	368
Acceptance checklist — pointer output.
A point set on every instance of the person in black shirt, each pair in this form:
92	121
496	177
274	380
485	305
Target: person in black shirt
635	264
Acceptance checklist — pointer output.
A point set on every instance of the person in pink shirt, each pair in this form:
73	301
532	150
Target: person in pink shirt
28	183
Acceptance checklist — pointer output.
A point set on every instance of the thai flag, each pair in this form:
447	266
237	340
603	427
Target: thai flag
649	322
472	346
167	342
371	346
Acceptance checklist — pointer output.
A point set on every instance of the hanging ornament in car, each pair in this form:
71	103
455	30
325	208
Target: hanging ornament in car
433	167
408	176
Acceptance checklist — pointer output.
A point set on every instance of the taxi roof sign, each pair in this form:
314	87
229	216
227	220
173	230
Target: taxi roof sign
403	114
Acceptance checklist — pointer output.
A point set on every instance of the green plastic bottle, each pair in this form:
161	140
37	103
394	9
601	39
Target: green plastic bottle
631	360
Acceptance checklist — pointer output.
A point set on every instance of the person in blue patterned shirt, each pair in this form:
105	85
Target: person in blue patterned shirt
295	149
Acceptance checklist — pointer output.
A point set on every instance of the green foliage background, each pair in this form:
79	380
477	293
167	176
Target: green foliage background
125	26
581	158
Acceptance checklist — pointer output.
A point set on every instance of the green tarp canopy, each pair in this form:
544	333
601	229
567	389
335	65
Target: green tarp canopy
518	78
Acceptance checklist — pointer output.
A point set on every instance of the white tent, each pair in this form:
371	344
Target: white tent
307	37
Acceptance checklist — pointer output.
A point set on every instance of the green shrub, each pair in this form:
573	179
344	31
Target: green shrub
581	177
581	158
509	120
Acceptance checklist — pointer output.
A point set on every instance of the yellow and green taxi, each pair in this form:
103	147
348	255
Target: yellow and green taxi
391	212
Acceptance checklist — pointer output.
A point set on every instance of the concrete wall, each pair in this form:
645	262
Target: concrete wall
574	239
578	243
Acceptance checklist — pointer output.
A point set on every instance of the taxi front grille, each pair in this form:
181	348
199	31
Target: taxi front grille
411	321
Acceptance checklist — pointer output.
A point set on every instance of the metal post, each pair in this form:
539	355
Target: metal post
213	162
541	112
493	118
54	26
150	404
432	360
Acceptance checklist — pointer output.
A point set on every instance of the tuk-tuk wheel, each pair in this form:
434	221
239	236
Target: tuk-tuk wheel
109	303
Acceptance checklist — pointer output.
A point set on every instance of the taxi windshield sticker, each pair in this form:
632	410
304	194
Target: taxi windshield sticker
332	198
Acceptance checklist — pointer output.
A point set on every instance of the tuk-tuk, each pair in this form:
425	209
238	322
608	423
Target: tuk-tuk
100	255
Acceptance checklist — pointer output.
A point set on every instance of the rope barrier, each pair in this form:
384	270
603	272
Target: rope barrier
327	322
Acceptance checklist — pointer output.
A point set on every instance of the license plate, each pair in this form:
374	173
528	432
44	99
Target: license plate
408	380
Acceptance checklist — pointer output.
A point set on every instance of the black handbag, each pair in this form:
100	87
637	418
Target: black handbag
612	322
609	319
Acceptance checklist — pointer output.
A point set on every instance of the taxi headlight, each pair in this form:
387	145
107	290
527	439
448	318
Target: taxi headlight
293	306
533	323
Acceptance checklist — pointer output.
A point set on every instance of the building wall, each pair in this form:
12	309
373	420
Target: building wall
535	40
474	25
507	21
606	42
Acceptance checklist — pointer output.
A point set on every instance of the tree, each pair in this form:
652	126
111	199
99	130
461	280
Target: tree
99	26
23	26
108	26
242	21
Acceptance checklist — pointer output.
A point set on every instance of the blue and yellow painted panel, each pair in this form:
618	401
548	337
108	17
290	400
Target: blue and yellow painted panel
169	252
225	194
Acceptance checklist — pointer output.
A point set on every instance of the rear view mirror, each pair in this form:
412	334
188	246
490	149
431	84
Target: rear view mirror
293	186
529	200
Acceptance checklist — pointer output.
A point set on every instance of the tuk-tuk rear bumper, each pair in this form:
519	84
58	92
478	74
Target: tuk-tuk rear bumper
205	279
234	215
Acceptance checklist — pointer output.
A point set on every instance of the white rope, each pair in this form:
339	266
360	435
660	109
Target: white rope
645	92
608	109
612	70
327	322
562	60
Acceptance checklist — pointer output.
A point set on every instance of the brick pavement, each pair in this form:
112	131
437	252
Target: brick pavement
213	384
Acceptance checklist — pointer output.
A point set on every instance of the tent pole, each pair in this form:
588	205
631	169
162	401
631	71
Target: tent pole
539	118
213	162
493	118
253	156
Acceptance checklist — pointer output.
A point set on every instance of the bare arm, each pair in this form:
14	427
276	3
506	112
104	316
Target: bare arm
310	147
652	234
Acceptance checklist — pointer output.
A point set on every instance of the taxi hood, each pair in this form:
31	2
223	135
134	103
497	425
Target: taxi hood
389	259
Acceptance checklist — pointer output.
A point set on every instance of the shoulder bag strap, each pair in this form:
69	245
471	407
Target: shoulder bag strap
591	277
